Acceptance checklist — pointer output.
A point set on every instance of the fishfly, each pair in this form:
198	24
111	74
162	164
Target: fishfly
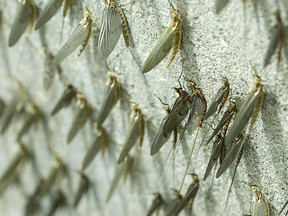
84	112
178	113
83	188
220	4
277	40
66	99
111	96
260	205
189	196
27	14
220	99
113	19
100	141
80	36
169	39
136	130
50	9
156	204
248	111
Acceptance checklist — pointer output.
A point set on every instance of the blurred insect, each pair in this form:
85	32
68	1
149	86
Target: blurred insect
277	40
2	107
66	99
9	174
33	202
174	203
113	19
50	9
49	72
169	39
220	4
220	99
111	96
100	141
59	201
282	210
84	112
122	171
156	204
80	36
261	205
83	188
27	14
175	116
136	130
189	196
248	111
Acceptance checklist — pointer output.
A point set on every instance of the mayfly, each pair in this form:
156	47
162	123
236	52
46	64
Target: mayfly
282	210
156	204
178	113
260	205
277	40
100	141
220	4
50	9
80	36
66	99
111	96
83	188
169	39
136	130
248	111
27	14
189	196
84	112
220	99
113	19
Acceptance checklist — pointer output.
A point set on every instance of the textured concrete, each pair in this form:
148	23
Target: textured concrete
213	46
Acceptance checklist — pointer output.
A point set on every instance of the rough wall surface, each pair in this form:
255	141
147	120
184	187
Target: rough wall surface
213	46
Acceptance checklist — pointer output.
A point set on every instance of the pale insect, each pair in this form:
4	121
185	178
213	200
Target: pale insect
220	99
261	205
173	203
169	39
59	201
178	113
27	14
84	112
136	130
111	96
276	41
49	72
80	36
156	204
100	141
248	111
189	196
83	188
220	4
113	19
66	99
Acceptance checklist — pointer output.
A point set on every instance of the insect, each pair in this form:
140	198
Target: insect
27	14
189	196
111	96
156	204
136	130
169	39
84	112
220	99
261	205
220	4
49	72
2	107
277	40
99	142
80	36
178	113
83	188
113	19
50	9
173	204
33	203
282	210
248	111
66	99
59	201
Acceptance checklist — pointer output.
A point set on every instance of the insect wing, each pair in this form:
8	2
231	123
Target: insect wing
120	170
197	114
161	49
50	9
220	4
83	188
156	204
110	31
9	113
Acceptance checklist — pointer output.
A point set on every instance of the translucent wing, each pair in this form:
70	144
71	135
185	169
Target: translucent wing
161	49
110	31
50	9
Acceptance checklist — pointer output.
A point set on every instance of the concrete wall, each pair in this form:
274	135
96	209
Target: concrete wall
213	46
